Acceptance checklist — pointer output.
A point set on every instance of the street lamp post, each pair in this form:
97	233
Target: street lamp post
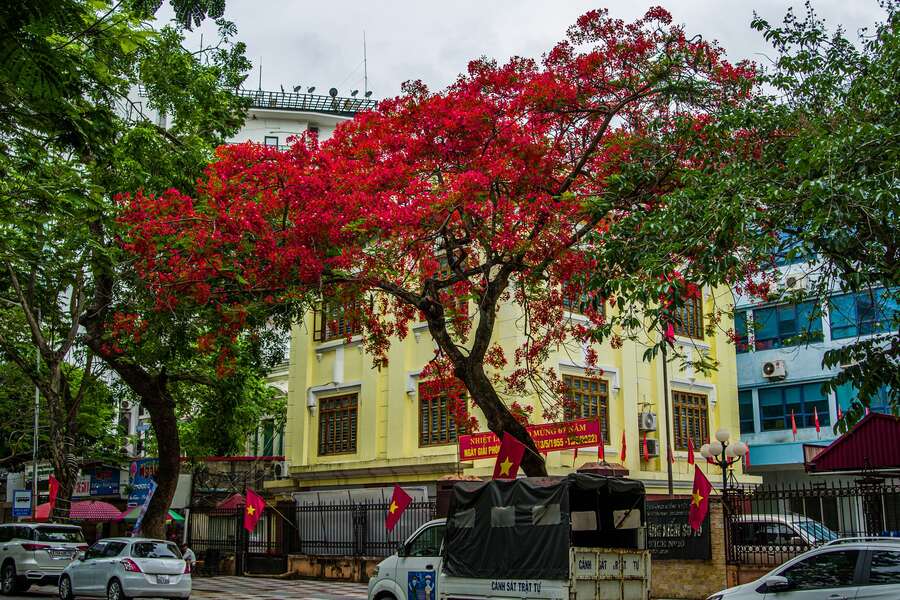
723	453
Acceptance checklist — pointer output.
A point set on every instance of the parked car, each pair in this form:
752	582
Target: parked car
122	568
36	554
842	569
769	540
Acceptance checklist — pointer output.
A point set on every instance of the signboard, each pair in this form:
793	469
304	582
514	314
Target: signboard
105	482
669	537
82	486
21	503
548	437
143	473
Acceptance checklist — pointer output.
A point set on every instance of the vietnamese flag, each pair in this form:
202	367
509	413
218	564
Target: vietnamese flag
646	450
510	457
601	451
816	419
699	499
747	457
253	510
624	447
399	501
690	451
794	425
53	484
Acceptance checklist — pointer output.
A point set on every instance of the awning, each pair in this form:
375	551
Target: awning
871	446
132	515
232	502
84	510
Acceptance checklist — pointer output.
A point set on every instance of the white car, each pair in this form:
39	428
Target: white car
843	569
35	554
122	568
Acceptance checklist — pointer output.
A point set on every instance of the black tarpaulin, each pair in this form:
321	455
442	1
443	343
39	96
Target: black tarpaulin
521	529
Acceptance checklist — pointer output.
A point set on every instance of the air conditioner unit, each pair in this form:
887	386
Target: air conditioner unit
282	469
647	421
774	369
125	405
652	447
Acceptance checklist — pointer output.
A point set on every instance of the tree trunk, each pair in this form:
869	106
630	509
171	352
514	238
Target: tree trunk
499	419
165	426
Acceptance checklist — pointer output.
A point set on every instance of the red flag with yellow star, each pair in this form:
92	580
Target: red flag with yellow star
253	509
399	501
510	457
699	499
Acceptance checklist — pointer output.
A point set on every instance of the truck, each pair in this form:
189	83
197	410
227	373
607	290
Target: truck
578	537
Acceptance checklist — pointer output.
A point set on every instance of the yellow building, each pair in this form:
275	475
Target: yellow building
350	425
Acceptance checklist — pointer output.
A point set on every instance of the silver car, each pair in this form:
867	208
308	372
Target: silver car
843	569
122	568
35	554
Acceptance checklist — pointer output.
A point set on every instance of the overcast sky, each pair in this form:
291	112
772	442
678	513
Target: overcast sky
300	42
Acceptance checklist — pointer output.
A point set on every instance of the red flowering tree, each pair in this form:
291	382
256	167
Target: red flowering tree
438	207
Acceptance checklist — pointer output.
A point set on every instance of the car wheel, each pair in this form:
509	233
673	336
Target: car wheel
8	580
114	591
65	588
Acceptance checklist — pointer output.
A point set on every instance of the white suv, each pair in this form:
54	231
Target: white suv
36	554
844	569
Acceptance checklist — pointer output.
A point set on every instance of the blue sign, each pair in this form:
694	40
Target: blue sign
140	518
143	473
421	585
105	482
21	503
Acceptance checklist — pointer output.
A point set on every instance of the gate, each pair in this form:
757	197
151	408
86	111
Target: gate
222	545
769	524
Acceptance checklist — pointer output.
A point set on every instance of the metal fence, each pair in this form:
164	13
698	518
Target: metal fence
346	528
768	524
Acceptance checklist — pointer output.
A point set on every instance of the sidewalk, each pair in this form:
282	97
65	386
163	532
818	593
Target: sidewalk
262	588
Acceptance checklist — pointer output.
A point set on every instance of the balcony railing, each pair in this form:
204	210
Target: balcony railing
307	102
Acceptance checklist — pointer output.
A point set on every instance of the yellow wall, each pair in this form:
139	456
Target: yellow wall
387	445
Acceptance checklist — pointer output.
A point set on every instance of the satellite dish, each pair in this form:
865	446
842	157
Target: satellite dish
310	89
369	94
333	92
354	93
297	88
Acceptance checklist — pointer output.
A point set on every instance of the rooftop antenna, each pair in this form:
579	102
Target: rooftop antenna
365	66
260	73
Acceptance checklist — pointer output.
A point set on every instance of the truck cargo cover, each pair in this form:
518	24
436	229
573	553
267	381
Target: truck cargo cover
520	529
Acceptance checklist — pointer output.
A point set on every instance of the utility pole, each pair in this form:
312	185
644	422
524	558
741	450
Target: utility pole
665	367
37	412
365	67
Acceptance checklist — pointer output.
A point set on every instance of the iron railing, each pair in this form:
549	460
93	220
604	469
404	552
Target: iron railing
768	524
333	105
346	528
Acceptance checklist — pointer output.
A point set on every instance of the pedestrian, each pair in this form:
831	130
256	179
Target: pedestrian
189	557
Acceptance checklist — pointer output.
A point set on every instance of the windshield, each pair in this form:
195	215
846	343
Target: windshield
817	531
155	550
59	534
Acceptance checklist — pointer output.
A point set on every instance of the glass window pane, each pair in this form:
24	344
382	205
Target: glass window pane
745	406
823	571
885	569
771	409
765	324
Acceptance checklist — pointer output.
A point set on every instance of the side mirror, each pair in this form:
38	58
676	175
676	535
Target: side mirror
777	583
82	556
401	549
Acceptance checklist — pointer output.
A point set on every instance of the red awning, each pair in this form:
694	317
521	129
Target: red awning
872	445
85	510
232	502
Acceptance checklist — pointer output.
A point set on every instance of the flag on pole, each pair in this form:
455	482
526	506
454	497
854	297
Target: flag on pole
399	501
646	449
816	419
840	413
690	451
793	425
699	499
509	458
747	456
253	510
601	451
53	484
624	447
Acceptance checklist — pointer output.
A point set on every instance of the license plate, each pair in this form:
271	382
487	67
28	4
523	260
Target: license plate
162	579
61	554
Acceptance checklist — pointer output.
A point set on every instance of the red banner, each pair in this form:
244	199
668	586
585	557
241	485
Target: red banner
548	437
